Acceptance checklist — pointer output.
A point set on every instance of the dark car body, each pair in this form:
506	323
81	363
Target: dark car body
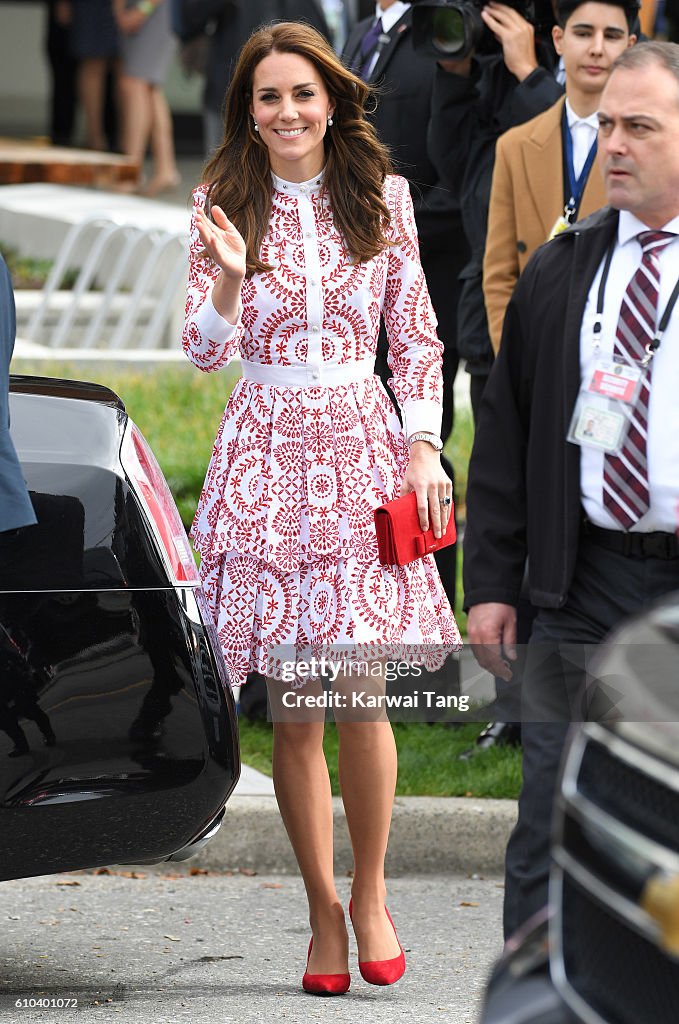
118	732
606	950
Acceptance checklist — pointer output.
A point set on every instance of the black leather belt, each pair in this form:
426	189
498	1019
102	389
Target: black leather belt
633	545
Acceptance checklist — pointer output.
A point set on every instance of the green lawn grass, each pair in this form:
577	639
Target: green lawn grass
427	755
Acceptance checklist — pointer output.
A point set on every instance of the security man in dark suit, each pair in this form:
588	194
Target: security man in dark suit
16	509
404	82
571	470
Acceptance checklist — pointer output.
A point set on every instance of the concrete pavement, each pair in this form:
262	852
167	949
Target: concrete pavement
176	948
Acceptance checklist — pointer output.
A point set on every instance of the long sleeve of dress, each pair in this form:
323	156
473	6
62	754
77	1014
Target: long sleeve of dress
208	339
415	351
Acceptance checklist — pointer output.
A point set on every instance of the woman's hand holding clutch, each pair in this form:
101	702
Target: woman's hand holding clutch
425	475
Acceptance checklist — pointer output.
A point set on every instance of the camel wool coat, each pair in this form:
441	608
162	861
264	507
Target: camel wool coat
526	200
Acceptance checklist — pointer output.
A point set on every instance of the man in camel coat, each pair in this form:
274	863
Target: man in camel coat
533	194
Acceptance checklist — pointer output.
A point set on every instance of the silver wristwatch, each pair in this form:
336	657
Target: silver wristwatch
432	439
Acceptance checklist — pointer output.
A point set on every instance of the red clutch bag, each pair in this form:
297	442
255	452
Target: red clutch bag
400	538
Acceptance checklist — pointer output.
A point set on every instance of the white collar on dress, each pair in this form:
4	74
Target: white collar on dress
298	188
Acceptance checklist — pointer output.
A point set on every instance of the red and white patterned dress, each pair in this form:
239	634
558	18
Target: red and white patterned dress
309	444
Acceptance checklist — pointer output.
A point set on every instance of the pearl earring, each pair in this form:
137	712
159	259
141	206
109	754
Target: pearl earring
329	121
255	125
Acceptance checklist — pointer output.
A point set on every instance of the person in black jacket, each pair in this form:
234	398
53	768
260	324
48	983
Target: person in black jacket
230	23
535	496
404	82
474	101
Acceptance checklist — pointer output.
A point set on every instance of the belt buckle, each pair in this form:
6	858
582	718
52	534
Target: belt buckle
658	545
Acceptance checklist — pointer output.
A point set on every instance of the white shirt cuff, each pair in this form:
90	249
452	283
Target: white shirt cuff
422	414
212	324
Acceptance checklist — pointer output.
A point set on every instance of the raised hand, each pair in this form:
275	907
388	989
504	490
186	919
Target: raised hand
515	35
223	243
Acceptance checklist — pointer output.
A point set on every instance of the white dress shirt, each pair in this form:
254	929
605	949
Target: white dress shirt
583	133
663	414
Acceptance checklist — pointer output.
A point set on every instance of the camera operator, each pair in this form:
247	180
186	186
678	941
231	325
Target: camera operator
475	99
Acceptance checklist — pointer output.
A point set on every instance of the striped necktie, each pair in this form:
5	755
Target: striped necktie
625	490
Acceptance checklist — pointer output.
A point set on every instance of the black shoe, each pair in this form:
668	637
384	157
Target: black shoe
19	751
495	734
499	734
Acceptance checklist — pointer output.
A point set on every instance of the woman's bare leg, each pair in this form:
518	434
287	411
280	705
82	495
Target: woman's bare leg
165	173
367	771
302	787
137	116
91	88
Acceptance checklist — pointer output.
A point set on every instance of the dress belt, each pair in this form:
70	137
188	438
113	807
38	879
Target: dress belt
308	375
634	545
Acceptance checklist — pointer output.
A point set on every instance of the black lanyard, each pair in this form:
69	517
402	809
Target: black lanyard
576	185
652	346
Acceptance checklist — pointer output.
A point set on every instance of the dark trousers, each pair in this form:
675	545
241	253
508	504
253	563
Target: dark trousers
605	589
63	92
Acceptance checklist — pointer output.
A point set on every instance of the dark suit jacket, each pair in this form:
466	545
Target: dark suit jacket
523	496
15	505
404	81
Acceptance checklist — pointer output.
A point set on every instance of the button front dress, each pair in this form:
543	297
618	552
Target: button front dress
310	444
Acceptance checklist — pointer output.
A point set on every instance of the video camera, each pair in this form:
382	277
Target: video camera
451	29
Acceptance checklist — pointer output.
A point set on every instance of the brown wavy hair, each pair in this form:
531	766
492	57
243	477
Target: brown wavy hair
356	162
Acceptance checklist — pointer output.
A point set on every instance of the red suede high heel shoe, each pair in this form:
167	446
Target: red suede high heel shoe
382	972
324	984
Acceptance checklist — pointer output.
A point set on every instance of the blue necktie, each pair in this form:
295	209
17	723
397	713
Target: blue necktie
368	44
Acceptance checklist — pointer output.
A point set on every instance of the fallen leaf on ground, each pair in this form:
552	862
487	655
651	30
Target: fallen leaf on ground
247	871
212	959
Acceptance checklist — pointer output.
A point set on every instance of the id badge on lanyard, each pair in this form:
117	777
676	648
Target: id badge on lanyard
605	403
576	185
603	410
